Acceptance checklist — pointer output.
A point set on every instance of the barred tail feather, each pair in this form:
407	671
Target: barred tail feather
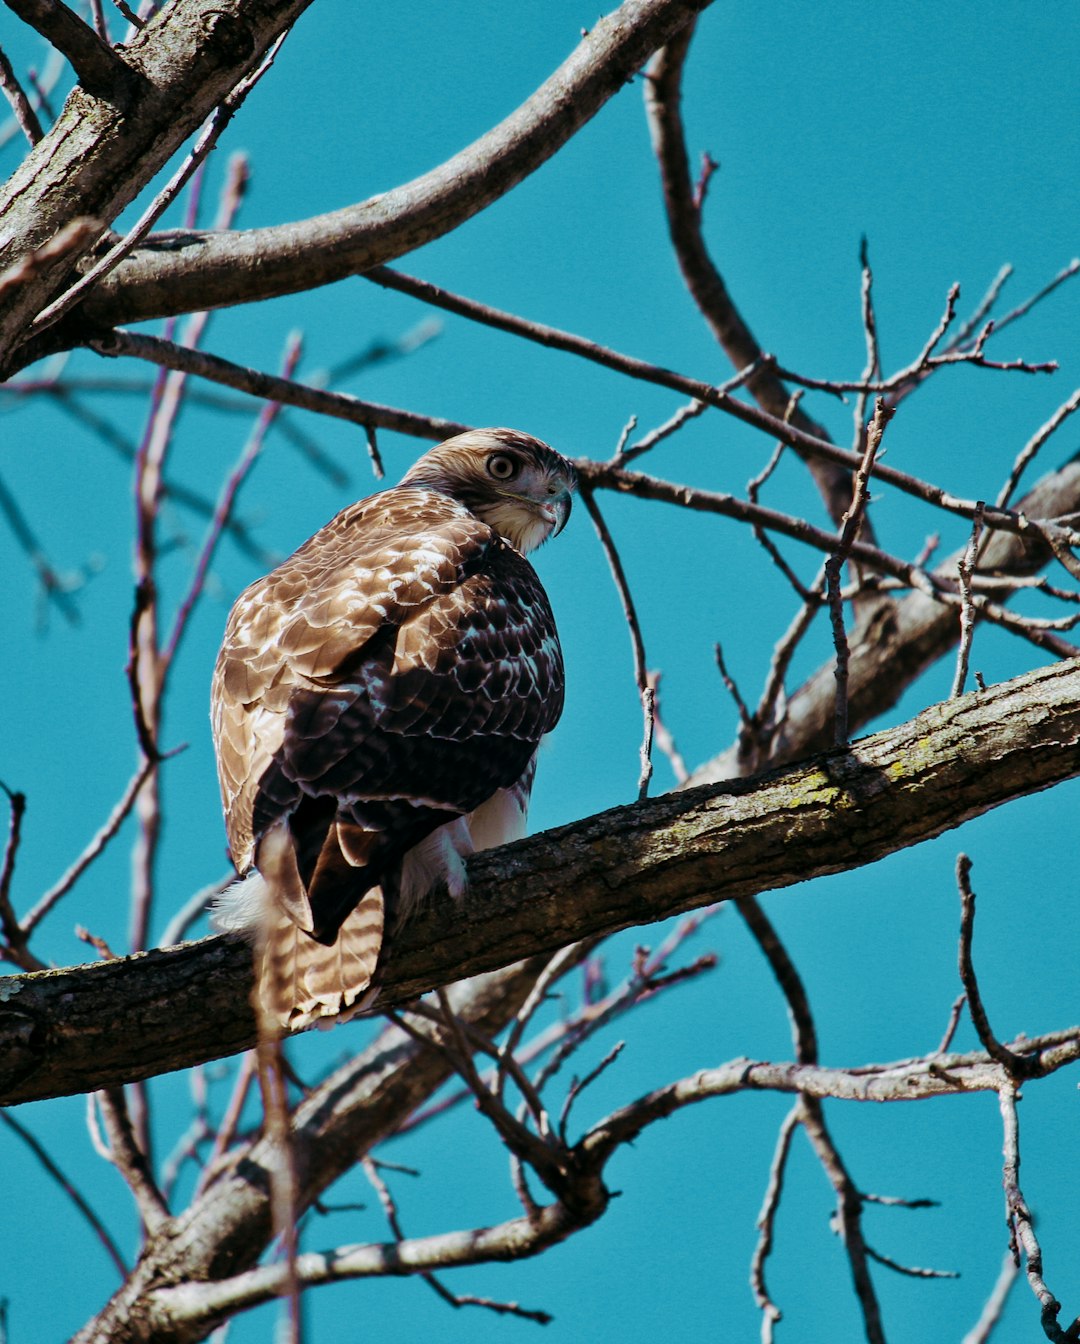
299	982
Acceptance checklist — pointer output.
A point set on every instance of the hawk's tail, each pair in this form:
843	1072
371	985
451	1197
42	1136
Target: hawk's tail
298	981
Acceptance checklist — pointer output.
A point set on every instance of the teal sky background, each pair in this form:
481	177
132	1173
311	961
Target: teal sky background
949	136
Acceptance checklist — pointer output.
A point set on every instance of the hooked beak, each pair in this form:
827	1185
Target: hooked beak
557	512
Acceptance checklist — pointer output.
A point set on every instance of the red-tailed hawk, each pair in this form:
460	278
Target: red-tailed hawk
377	707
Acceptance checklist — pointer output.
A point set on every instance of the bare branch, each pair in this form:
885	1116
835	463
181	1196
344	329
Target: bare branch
338	404
20	104
646	693
1017	1066
100	69
965	570
911	782
219	269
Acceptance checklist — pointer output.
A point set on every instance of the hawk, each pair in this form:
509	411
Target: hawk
377	706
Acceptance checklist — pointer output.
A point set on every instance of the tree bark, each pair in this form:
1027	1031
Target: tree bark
89	1027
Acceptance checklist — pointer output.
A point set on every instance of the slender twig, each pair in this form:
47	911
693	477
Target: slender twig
1033	445
849	530
995	1303
773	425
340	405
953	1023
1017	1066
766	1222
1022	309
208	138
637	644
1022	1238
872	368
94	848
54	586
662	90
389	1208
911	1271
746	719
662	735
226	1130
69	1188
965	568
21	106
620	448
670	426
578	1085
15	936
223	512
284	1178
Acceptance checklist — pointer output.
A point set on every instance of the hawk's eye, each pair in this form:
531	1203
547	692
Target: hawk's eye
500	466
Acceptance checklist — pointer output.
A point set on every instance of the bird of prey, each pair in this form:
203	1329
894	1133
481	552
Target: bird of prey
377	706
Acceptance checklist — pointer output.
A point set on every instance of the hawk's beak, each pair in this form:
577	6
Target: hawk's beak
559	512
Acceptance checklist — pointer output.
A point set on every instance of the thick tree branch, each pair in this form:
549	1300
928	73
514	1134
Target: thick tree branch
70	1030
210	270
100	155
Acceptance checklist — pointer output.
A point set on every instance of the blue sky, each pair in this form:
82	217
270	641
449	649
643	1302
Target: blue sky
949	137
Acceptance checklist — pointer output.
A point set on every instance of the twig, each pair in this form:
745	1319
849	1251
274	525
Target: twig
340	405
1022	1238
637	644
911	1271
15	936
620	448
663	96
773	425
872	368
675	422
953	1023
382	1190
1016	1066
226	1130
20	104
746	719
662	736
284	1178
995	1303
577	1086
208	138
70	1189
1022	309
965	568
766	1222
849	530
53	585
94	848
1034	444
223	512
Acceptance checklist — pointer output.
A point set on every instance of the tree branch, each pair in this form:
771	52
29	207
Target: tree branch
60	1031
100	70
891	649
99	155
210	270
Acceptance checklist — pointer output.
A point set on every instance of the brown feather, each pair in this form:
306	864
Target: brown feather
395	673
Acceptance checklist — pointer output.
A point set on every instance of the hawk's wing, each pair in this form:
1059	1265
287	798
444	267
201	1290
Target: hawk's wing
394	673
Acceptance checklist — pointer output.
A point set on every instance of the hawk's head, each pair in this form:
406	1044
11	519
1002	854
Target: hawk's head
516	484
